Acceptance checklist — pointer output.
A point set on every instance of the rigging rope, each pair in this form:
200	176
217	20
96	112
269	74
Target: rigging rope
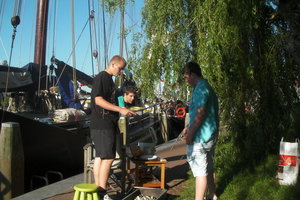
121	28
17	8
126	50
104	35
15	21
72	50
111	31
51	68
3	48
85	56
99	32
21	36
48	46
2	8
95	51
91	17
31	35
54	27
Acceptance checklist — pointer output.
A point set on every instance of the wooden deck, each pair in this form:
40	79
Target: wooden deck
175	177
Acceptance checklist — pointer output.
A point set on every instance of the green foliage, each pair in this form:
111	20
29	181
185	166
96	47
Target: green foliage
4	102
238	181
165	49
189	192
111	6
241	51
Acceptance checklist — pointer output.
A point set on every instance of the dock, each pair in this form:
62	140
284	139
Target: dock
176	175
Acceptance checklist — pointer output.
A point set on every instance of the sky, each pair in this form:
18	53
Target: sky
59	36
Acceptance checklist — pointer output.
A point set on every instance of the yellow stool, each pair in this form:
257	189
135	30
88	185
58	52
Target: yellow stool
86	190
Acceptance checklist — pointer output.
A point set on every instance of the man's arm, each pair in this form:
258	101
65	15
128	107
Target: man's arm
194	127
100	101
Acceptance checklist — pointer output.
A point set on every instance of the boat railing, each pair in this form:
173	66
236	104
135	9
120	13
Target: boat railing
142	126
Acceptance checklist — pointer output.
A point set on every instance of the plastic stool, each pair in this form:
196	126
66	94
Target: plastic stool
86	190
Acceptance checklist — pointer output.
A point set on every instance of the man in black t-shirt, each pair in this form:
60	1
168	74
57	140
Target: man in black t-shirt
104	120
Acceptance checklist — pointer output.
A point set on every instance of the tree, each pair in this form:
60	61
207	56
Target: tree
240	49
166	48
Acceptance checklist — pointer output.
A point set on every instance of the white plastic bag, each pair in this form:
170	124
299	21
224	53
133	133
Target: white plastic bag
288	166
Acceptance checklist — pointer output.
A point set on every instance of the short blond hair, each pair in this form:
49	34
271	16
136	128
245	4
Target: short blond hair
118	59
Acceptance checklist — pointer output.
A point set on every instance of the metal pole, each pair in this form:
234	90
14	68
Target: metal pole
164	129
124	160
73	50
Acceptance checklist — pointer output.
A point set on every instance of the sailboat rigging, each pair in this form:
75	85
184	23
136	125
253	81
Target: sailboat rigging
55	143
34	97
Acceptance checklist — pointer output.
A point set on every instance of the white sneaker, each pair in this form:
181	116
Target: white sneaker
214	198
106	197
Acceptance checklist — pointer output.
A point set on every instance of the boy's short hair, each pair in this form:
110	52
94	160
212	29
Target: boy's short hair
118	58
130	89
192	67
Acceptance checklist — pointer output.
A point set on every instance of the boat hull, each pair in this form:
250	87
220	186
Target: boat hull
49	147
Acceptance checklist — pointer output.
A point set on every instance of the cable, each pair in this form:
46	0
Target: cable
104	35
31	35
121	27
91	16
72	50
2	8
21	36
3	47
17	8
95	51
15	21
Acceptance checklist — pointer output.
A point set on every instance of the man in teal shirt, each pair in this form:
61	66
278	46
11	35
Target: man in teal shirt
202	133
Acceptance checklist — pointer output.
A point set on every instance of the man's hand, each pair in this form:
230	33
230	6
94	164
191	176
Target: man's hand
186	135
195	126
126	112
184	132
189	138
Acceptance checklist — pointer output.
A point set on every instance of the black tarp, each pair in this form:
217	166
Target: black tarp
37	76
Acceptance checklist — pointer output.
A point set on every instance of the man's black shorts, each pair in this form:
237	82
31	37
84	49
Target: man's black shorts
105	142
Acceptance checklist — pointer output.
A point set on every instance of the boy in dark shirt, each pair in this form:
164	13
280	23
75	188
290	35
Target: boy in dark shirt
104	120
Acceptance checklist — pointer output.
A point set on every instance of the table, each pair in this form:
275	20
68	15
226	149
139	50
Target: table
143	173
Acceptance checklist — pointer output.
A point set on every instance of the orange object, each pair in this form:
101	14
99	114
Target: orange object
180	112
142	176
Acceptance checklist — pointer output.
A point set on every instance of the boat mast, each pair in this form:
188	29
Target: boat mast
121	35
41	32
73	50
121	26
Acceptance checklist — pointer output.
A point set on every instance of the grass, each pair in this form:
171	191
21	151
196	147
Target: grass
189	192
257	183
260	183
236	181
